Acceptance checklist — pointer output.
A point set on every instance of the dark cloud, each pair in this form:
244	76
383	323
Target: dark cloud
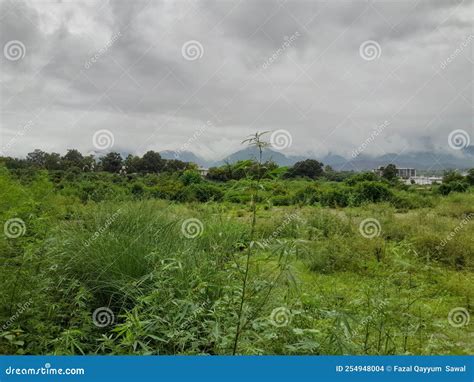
293	65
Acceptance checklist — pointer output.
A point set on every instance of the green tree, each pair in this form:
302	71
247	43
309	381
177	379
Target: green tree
89	163
37	158
389	172
174	165
53	161
132	163
112	162
151	162
190	177
452	176
218	173
470	177
73	158
310	168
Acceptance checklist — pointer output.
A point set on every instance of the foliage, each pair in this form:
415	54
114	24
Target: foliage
389	172
96	239
308	168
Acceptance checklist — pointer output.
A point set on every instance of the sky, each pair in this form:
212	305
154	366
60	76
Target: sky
338	77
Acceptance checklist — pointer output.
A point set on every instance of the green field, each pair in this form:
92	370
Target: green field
100	263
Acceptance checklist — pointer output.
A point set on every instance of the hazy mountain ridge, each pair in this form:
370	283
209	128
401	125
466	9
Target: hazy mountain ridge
418	160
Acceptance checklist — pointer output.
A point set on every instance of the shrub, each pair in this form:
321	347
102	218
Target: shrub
203	192
372	192
362	177
308	195
453	186
137	189
190	177
335	197
281	200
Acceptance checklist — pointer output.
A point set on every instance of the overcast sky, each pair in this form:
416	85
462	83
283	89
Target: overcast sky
203	75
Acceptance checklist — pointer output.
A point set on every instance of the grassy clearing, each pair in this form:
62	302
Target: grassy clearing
316	285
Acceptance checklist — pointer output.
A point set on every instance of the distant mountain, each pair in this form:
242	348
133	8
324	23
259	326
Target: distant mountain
469	150
186	156
268	154
418	160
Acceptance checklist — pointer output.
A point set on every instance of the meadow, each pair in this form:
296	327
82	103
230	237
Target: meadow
106	263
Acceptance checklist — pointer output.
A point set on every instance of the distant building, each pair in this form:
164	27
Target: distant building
203	171
404	173
424	180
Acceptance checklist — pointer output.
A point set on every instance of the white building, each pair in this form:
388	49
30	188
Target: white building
203	171
423	180
403	173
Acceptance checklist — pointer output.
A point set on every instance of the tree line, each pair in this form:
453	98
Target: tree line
150	162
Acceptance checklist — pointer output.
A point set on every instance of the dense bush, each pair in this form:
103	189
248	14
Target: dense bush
453	186
203	192
372	192
98	241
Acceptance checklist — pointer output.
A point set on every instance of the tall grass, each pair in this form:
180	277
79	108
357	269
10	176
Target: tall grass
170	294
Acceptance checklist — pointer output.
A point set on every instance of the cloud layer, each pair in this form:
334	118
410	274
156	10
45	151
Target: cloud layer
156	72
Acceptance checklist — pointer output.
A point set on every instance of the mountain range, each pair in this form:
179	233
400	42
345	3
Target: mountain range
417	160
